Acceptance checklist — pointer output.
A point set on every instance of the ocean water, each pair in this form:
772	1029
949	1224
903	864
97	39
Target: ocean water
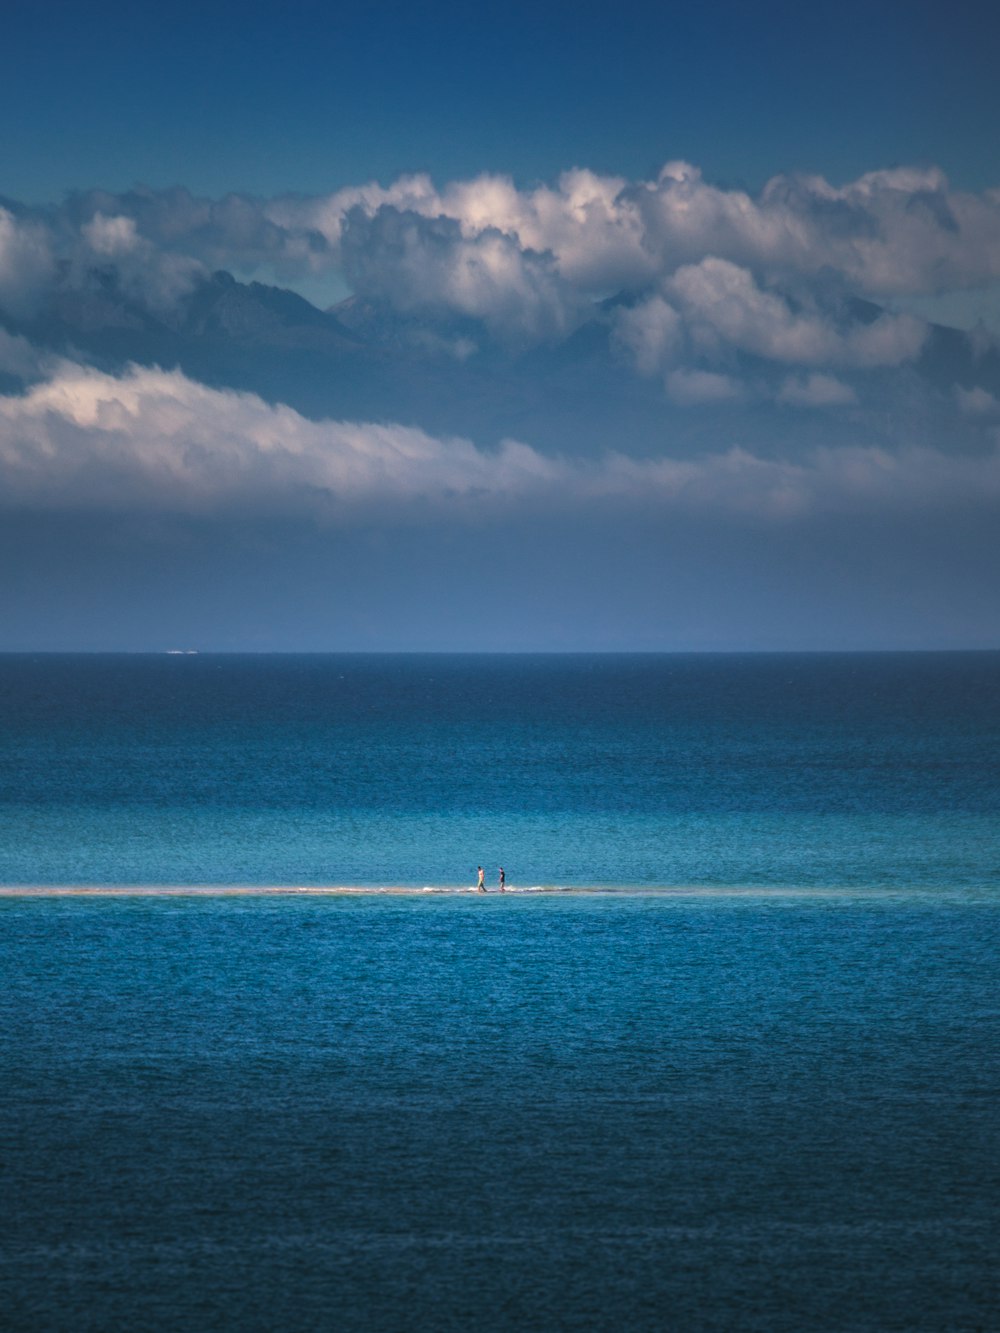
818	770
736	1070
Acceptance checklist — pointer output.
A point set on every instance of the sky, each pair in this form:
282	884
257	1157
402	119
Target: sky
527	327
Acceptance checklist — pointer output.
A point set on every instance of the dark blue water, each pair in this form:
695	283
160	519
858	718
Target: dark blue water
829	770
768	1103
763	1112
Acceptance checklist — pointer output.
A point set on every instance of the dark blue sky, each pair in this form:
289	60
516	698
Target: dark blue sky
666	326
267	98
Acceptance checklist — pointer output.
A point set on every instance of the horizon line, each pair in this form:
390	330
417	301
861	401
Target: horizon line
493	652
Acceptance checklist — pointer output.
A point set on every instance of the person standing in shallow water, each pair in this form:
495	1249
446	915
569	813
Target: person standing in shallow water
503	880
481	886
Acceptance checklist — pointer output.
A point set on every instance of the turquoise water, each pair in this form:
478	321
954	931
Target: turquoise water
718	1111
825	770
765	1101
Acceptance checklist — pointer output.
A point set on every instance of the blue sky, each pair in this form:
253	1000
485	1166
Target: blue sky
266	98
657	327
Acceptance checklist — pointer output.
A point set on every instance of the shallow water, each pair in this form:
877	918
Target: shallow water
701	1111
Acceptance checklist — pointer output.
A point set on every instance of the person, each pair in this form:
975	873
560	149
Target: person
503	879
481	886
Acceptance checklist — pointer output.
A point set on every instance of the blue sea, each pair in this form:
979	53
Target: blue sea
724	1056
822	770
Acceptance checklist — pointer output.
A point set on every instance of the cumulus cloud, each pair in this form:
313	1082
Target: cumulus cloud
41	255
651	333
157	440
154	277
976	402
418	263
235	231
816	391
724	304
18	358
111	236
701	275
889	232
27	265
689	387
587	224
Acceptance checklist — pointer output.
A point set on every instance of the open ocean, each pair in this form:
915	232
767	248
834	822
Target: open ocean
725	1057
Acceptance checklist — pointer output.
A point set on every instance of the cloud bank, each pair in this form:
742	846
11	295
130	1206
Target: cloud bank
701	272
157	441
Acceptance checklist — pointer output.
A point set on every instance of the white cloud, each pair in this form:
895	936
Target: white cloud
709	277
890	340
18	358
769	272
419	263
976	402
110	236
691	387
650	334
39	255
888	231
232	232
816	391
27	265
154	277
156	440
724	304
593	232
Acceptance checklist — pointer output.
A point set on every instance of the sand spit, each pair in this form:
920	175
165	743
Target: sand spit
202	890
773	892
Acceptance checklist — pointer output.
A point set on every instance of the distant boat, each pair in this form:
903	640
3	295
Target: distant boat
182	652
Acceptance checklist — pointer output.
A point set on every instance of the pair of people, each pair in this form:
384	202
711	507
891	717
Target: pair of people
481	886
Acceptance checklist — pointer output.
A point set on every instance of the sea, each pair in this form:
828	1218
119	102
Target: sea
723	1055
